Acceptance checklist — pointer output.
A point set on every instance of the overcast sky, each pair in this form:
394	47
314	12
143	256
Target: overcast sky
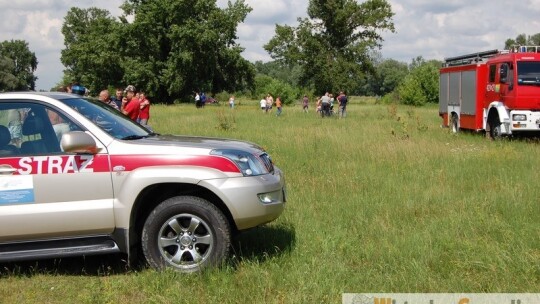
423	27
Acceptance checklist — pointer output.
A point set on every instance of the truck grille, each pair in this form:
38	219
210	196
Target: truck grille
267	161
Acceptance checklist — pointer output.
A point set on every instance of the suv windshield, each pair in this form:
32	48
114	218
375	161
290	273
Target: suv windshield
108	119
528	73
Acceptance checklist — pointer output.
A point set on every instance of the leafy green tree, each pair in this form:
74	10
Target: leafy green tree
534	39
174	48
92	55
265	84
388	75
421	85
333	44
522	39
279	71
170	49
18	74
8	82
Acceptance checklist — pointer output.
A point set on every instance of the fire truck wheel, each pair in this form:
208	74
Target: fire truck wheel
495	129
454	123
185	233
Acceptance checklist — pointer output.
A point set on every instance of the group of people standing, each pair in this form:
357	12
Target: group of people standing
131	103
200	99
267	103
325	104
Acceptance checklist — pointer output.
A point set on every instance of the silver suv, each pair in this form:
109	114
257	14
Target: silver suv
79	178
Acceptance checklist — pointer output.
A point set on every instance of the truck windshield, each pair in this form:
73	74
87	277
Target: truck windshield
528	73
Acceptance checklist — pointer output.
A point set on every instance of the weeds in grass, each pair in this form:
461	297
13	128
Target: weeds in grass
226	119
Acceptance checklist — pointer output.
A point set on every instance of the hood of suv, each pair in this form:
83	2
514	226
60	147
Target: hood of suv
199	142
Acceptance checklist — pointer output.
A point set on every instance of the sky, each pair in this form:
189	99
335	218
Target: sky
427	28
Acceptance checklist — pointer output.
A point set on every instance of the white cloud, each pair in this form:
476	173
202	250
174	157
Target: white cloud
269	11
36	5
12	22
44	29
425	28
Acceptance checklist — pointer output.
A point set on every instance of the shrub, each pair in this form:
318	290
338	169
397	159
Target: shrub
420	86
265	84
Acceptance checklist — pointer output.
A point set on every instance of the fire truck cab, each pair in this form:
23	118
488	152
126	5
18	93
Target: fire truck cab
494	91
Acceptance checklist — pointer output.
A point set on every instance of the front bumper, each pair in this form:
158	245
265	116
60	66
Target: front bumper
241	196
531	123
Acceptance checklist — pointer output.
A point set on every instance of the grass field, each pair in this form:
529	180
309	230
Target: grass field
382	201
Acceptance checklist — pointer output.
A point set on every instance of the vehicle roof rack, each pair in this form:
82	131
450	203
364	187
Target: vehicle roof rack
525	49
469	58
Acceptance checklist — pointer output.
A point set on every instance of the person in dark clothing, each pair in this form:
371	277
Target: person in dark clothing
342	99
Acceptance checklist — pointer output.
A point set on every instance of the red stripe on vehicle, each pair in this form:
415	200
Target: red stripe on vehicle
132	162
56	164
66	164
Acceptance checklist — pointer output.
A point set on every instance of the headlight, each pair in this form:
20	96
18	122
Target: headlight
519	117
249	164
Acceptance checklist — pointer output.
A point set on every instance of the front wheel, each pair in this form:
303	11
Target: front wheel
495	131
186	233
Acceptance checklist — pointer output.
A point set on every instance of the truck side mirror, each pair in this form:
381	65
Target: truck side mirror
504	72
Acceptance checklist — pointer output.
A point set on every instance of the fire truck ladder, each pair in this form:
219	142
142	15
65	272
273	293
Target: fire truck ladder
470	58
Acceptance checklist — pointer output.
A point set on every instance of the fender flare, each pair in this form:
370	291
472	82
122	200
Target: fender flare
503	114
127	194
139	179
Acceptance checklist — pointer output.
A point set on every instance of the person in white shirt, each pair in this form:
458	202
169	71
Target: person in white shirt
263	104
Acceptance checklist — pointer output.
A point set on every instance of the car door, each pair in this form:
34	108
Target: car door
44	192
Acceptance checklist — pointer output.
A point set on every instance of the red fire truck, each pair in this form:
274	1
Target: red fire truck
493	91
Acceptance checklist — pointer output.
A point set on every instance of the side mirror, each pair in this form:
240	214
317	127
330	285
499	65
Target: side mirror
78	142
504	72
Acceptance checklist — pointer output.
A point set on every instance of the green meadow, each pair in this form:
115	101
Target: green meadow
384	200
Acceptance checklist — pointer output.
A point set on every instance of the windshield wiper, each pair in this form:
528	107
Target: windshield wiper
133	137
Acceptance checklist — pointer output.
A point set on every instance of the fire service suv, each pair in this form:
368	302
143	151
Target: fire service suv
494	91
79	178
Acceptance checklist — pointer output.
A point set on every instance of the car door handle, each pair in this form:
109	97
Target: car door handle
7	170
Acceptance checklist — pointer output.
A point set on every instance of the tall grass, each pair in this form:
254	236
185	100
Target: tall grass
382	201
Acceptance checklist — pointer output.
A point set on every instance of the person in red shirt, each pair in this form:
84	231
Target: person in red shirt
130	104
144	114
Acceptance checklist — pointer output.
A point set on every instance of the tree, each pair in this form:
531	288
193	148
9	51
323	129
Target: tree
265	84
170	49
522	39
174	48
279	71
333	44
18	73
92	55
388	75
8	82
421	85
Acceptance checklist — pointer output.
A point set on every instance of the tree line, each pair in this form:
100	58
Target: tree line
171	49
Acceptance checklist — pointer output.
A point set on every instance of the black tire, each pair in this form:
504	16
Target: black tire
185	233
495	129
454	123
